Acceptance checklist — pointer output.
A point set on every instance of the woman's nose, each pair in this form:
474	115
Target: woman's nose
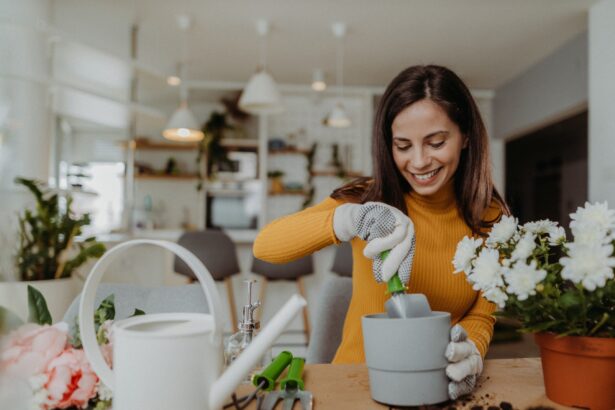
419	159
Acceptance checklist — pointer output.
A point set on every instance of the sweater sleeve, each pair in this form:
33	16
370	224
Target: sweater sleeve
478	322
297	235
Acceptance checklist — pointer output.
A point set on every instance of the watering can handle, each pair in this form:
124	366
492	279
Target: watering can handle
86	305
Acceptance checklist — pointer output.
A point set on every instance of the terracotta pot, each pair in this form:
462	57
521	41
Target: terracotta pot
578	371
58	293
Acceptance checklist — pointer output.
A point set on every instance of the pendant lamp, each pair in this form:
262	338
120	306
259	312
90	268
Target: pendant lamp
182	126
338	118
261	95
318	80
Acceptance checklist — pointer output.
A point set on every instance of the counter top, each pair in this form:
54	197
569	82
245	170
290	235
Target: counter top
346	387
239	236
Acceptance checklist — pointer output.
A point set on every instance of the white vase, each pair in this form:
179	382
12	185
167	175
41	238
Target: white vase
59	293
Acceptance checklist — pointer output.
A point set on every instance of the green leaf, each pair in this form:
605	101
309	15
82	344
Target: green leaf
105	311
8	320
137	312
37	307
570	300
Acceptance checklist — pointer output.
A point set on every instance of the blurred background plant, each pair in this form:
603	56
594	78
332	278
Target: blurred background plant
47	237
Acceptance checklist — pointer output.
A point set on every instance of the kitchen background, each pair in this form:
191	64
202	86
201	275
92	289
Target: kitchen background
88	86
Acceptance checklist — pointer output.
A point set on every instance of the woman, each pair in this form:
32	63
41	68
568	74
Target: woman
431	164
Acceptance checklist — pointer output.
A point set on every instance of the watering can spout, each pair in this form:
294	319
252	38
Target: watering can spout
222	388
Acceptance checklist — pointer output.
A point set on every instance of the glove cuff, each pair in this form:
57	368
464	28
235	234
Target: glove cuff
343	222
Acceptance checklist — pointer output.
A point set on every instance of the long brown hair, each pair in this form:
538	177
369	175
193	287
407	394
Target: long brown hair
474	187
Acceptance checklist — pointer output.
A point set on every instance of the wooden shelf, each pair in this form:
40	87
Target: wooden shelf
185	177
300	193
351	174
239	143
289	151
160	146
234	143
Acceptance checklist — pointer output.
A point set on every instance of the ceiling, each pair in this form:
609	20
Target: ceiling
487	42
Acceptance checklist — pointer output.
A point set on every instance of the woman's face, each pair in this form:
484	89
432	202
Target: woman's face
426	146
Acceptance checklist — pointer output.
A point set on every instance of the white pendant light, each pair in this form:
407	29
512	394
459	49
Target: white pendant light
261	95
182	126
318	80
338	118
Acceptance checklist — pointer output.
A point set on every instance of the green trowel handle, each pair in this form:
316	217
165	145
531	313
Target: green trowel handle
273	371
293	380
394	285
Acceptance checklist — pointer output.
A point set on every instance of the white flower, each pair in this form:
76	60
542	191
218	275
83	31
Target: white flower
502	231
589	264
524	247
487	272
466	251
593	223
542	226
522	279
557	236
590	236
497	296
104	393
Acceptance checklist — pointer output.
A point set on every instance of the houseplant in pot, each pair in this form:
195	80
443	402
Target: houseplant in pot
47	254
562	291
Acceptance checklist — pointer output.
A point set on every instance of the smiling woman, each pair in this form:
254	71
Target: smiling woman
431	186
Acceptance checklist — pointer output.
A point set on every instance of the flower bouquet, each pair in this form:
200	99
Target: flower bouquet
50	361
563	291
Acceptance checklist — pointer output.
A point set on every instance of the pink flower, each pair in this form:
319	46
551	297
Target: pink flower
29	349
107	352
72	382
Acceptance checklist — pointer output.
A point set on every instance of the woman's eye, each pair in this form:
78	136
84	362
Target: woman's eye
437	144
403	147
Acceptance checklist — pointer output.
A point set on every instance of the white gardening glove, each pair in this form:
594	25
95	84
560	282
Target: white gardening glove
384	228
465	363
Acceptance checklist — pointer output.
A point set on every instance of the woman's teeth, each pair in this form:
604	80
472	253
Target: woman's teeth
425	177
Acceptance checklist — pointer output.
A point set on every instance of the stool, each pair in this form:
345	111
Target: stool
217	252
294	271
342	262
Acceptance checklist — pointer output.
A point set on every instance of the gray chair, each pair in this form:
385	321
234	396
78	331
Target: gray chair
167	299
217	252
292	271
333	302
342	262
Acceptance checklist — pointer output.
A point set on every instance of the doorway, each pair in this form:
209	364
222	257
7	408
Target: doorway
547	172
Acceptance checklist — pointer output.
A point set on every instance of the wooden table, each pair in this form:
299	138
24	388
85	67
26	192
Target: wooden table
346	387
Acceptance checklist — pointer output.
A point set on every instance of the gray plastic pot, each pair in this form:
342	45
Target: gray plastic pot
405	358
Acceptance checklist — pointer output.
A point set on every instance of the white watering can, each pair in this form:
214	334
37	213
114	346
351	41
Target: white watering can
172	360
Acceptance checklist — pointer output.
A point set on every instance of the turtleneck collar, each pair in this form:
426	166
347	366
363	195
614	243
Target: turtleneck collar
442	200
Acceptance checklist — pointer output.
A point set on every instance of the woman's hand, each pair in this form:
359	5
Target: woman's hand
384	228
466	364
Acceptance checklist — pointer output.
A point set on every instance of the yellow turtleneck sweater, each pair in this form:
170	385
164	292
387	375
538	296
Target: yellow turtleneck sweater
439	226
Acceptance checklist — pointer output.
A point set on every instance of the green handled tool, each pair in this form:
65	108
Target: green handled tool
268	376
264	381
402	305
291	389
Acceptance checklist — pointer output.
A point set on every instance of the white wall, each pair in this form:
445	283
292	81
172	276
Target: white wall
602	102
549	90
25	127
